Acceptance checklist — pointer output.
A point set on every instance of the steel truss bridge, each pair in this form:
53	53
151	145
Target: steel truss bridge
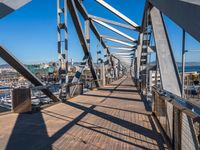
143	108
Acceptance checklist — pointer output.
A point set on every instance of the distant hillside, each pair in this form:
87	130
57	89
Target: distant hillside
78	63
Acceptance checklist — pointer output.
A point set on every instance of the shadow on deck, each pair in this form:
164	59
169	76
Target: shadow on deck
110	118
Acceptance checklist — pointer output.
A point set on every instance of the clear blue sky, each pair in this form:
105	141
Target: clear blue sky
30	33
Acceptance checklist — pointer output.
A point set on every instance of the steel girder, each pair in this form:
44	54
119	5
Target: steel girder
185	13
85	15
25	72
119	14
168	69
118	41
95	31
121	48
102	21
114	30
116	38
8	6
138	55
62	50
77	24
112	22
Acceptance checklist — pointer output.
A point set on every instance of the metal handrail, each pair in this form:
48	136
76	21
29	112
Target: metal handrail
180	103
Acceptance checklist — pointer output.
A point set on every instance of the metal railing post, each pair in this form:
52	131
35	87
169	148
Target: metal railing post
177	129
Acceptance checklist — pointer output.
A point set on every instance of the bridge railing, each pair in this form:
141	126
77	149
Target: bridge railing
178	118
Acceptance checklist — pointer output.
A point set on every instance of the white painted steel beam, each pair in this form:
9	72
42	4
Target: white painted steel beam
120	56
119	48
116	12
116	38
118	41
9	6
185	13
114	29
122	53
168	69
112	22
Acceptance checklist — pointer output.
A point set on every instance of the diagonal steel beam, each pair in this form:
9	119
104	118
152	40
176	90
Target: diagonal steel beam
118	41
96	33
120	48
114	29
168	69
77	24
85	15
11	60
124	54
123	51
125	60
124	47
112	22
9	6
185	13
116	12
116	38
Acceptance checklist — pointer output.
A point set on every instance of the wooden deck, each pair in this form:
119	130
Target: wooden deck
111	118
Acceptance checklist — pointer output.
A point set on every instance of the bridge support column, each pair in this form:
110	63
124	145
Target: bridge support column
104	70
62	45
77	23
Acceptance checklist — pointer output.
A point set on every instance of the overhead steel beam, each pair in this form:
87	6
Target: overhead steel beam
131	52
77	24
96	33
124	56
125	61
9	6
114	29
112	22
185	13
12	61
116	38
123	53
128	47
116	12
85	15
118	41
120	48
117	59
168	69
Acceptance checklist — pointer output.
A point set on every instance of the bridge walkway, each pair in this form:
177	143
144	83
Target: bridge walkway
112	118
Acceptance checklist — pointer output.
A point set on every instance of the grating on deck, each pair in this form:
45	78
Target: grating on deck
111	118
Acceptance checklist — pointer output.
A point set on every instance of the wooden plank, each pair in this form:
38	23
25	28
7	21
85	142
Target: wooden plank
111	118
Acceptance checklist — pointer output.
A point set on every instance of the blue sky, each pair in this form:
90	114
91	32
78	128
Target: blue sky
30	33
